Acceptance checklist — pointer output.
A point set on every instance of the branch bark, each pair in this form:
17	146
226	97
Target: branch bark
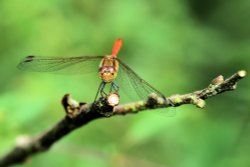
79	114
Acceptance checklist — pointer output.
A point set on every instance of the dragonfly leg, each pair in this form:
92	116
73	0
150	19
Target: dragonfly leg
111	88
115	86
101	90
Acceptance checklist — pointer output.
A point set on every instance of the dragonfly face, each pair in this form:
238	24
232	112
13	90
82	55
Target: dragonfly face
108	69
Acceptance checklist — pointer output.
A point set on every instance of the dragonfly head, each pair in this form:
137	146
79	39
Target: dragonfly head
107	73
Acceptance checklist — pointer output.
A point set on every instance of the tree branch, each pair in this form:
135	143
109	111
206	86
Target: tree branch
79	114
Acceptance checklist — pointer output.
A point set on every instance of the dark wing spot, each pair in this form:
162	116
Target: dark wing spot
29	58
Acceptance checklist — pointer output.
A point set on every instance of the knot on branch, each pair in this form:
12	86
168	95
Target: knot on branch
198	102
71	106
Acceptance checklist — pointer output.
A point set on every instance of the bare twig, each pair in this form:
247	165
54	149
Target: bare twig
79	114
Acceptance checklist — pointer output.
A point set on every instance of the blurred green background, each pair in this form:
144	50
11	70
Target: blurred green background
176	45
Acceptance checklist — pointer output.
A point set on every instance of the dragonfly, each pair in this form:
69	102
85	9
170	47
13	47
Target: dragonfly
109	70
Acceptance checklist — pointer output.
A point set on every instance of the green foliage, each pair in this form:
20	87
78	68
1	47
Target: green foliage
177	46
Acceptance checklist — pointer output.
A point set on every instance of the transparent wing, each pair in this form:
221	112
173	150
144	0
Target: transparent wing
63	65
133	85
137	88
